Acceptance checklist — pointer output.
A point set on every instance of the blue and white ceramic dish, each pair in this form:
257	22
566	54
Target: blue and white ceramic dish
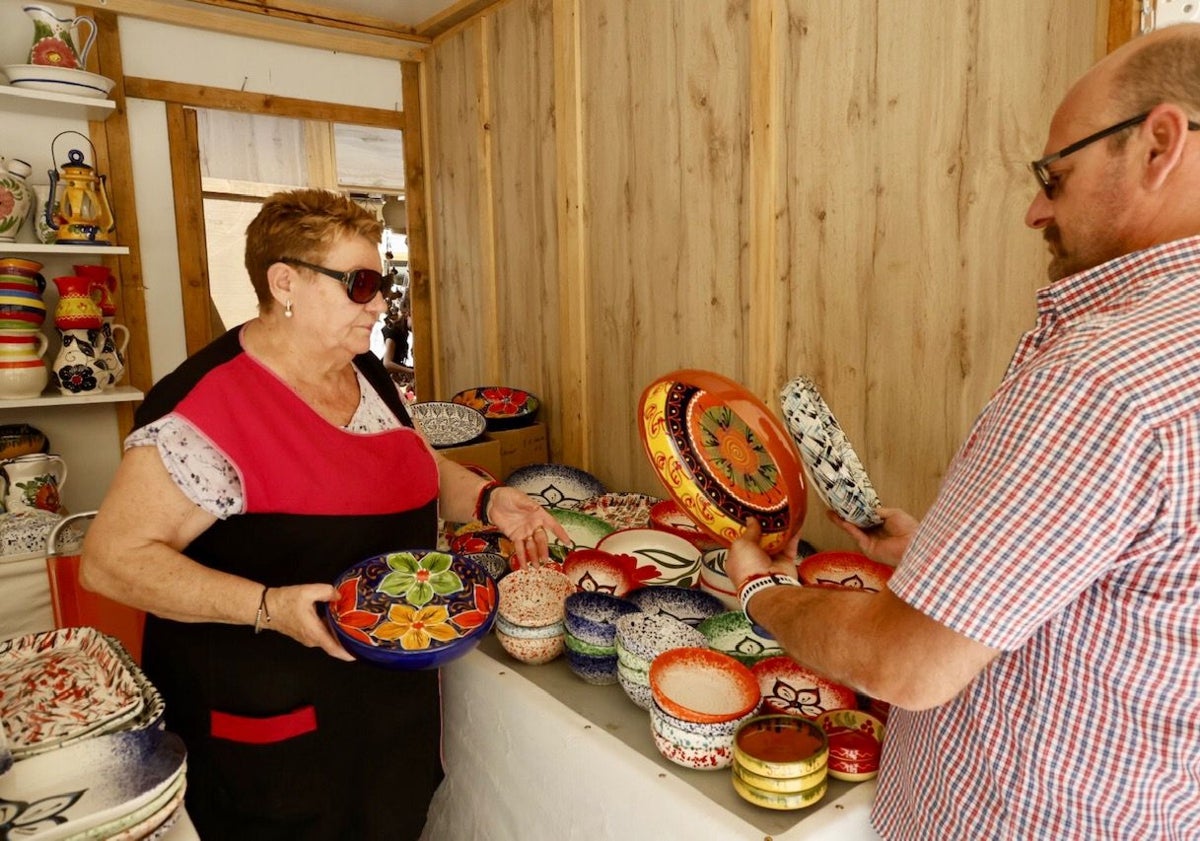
556	485
446	424
686	604
648	636
598	670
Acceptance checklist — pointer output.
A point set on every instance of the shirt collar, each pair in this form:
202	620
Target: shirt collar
1096	288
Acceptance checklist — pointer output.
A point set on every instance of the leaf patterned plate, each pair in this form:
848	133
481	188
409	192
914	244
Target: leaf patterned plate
677	560
414	609
832	466
722	456
503	406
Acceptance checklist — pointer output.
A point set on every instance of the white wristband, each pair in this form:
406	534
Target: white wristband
757	585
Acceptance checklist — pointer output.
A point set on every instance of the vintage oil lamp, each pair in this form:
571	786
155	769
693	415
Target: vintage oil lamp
79	212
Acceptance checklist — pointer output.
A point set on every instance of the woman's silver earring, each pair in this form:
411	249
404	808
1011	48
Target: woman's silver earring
287	309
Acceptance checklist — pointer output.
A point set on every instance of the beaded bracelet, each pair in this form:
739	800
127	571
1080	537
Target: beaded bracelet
263	617
481	502
757	583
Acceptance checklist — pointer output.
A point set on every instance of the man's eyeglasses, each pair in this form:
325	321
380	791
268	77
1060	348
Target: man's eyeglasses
362	285
1049	181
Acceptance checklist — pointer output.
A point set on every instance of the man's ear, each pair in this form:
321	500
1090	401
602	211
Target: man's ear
1166	130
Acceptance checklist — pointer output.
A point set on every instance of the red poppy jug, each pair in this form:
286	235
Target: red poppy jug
56	41
33	482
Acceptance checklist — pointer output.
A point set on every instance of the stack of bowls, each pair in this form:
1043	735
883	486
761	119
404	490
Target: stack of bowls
780	762
23	372
700	698
734	634
530	624
591	634
640	638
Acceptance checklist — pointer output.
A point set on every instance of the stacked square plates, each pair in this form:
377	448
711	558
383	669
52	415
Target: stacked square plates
830	462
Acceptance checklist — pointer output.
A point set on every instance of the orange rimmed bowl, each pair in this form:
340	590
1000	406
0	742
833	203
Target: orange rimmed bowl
702	685
722	456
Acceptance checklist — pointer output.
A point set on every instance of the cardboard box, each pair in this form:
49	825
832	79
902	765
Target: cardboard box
519	447
484	453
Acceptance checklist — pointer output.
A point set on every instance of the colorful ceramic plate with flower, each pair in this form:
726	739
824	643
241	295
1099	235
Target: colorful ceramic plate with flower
833	467
596	571
503	406
722	456
415	609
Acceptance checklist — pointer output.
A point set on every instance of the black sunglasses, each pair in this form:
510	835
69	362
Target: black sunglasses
1049	181
362	285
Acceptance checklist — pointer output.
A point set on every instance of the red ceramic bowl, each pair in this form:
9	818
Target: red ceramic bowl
792	689
845	570
855	743
604	572
669	517
702	685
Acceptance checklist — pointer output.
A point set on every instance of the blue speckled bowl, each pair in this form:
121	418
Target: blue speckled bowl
597	670
683	603
592	616
412	609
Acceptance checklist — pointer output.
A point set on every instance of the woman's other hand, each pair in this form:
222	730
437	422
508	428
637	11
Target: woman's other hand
294	611
528	525
885	542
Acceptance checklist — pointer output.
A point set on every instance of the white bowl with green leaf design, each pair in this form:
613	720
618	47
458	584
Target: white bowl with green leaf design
676	559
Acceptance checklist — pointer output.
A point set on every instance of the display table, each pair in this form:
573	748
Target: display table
533	752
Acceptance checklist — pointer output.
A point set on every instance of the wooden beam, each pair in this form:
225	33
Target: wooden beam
571	416
115	157
455	15
183	139
1124	22
415	203
320	16
186	14
485	178
225	99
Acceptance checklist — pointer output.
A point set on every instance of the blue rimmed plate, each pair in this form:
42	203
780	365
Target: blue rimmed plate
413	609
556	485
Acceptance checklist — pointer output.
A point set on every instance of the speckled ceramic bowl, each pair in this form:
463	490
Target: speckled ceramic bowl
534	596
792	689
638	693
700	759
528	632
592	617
556	485
574	643
535	652
593	669
702	685
646	636
733	634
687	604
677	560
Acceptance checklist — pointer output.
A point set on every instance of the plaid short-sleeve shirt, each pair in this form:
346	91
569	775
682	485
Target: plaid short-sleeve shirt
1067	534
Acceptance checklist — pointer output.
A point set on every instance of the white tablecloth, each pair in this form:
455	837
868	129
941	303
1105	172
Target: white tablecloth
533	752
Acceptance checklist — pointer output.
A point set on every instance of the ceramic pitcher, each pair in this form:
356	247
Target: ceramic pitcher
77	309
33	482
23	372
110	344
16	196
75	367
55	39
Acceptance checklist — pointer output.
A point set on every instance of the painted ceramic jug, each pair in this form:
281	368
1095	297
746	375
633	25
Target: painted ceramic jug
22	370
75	369
16	196
76	309
110	343
55	39
33	482
21	275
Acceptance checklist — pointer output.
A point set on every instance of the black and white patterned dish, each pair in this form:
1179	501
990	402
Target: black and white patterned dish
556	485
24	534
830	462
447	424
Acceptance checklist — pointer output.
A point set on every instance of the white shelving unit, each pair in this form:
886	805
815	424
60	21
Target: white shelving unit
35	103
21	249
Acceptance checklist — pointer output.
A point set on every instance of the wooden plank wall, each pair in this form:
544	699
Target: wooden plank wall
763	188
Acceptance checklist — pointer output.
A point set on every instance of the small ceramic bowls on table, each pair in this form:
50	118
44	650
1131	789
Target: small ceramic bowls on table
855	743
669	517
639	639
687	604
701	746
534	652
592	617
723	456
621	510
780	762
733	634
602	572
846	570
830	462
446	424
413	609
676	559
531	613
555	485
793	689
504	407
702	685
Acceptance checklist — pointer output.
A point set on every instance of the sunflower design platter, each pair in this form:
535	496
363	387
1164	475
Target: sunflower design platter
722	456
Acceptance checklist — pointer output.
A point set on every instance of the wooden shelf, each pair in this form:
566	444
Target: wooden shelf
35	103
19	248
120	394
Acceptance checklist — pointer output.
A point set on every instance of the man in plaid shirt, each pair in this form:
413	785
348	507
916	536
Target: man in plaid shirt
1040	638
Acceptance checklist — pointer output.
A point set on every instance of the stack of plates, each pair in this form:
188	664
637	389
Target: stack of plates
830	462
58	688
119	785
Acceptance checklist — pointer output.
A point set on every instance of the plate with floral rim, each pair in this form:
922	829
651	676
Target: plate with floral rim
722	456
503	406
412	609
